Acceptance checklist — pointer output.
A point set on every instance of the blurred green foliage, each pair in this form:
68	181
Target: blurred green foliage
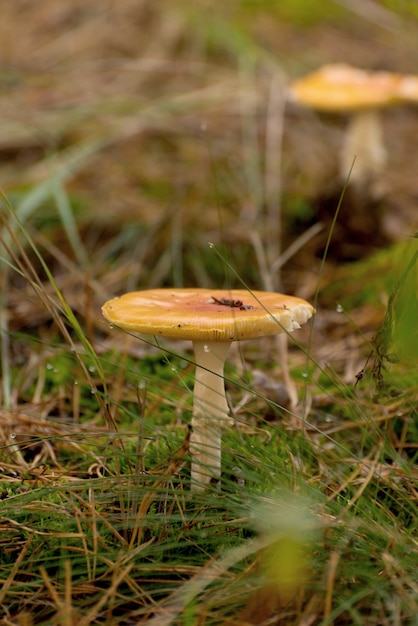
298	12
403	7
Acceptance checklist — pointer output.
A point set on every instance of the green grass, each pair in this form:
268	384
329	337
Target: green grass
316	522
315	518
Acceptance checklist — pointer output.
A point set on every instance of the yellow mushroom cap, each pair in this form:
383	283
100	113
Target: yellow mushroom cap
207	315
408	89
341	87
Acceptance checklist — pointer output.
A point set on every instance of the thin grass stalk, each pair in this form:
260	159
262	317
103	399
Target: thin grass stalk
59	605
320	274
365	482
331	574
117	579
5	341
67	218
296	246
93	527
177	238
149	497
398	574
78	517
63	167
6	584
250	144
139	469
68	595
57	311
103	520
272	176
268	253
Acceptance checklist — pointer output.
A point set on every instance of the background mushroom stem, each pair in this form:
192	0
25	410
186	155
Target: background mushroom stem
210	412
364	142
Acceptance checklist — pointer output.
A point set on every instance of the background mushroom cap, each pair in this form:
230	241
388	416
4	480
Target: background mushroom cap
199	314
408	89
341	87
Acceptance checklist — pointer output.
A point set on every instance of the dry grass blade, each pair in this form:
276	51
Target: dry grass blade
8	583
117	578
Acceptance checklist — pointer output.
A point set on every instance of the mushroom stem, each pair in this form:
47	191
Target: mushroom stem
364	143
210	412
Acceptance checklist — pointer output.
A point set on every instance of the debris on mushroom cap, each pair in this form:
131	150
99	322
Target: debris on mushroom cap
341	87
207	315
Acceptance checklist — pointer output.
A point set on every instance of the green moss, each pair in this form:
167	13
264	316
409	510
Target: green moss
369	281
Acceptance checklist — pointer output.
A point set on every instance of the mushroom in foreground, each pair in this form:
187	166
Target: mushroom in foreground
340	88
211	319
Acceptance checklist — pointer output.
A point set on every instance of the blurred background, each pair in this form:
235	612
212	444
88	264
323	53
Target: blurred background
134	133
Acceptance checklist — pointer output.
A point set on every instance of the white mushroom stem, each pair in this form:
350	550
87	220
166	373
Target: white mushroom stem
210	412
364	146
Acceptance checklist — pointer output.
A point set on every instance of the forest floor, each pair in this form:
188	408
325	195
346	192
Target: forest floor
152	144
